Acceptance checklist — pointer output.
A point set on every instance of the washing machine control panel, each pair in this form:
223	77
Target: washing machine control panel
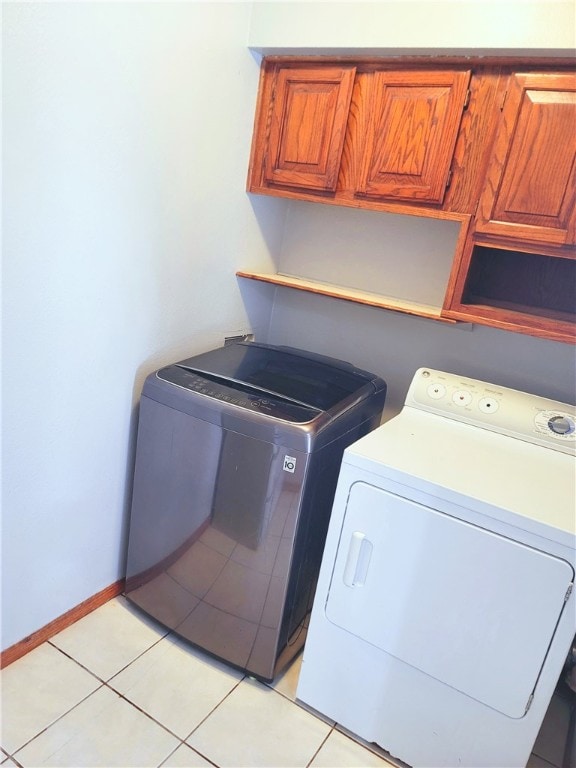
231	393
500	409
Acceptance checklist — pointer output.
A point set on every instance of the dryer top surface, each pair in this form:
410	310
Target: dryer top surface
534	486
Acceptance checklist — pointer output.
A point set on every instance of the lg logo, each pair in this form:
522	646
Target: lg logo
289	464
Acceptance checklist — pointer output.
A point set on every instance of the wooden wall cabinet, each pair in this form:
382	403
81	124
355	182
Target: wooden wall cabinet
357	133
518	267
389	134
309	113
530	190
413	124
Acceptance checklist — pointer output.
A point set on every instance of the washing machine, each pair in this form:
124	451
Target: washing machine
445	606
237	461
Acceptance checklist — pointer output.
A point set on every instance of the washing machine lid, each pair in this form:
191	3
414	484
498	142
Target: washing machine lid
311	380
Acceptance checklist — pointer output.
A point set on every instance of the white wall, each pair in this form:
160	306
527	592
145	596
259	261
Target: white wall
126	131
416	26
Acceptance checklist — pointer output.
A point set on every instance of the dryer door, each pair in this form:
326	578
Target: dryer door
471	608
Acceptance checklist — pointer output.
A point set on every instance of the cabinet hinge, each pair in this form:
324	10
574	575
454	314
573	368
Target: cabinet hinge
467	98
449	179
529	702
503	100
568	592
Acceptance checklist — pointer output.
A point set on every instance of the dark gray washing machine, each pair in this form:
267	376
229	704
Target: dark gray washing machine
237	461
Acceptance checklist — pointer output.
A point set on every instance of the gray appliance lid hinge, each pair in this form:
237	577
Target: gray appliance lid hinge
529	703
568	592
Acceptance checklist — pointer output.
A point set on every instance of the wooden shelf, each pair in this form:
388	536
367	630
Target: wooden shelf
350	294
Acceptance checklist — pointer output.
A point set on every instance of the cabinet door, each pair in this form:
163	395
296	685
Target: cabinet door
413	126
308	125
531	182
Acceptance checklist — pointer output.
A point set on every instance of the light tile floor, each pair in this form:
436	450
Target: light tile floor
116	689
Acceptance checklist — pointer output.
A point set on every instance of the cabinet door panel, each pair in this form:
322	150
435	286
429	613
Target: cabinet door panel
308	126
531	181
414	121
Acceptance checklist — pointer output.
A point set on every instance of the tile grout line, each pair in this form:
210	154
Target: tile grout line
115	692
56	720
15	761
214	709
107	679
142	711
164	727
103	684
208	760
309	763
372	747
68	656
107	683
7	756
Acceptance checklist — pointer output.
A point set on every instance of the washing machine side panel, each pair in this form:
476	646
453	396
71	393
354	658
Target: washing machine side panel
174	480
471	608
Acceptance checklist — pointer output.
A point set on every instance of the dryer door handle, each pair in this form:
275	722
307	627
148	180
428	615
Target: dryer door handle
357	561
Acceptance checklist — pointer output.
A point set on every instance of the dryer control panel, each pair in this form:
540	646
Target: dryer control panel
499	409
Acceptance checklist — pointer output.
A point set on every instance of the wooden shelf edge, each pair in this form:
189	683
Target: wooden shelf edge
381	57
400	208
350	294
517	322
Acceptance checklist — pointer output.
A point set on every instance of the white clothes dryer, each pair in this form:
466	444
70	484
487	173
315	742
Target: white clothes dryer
445	606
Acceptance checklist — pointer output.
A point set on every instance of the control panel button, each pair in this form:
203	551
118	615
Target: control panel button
462	398
436	391
488	405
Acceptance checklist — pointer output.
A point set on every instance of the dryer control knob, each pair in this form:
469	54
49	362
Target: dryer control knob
488	405
436	391
556	425
561	425
462	398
